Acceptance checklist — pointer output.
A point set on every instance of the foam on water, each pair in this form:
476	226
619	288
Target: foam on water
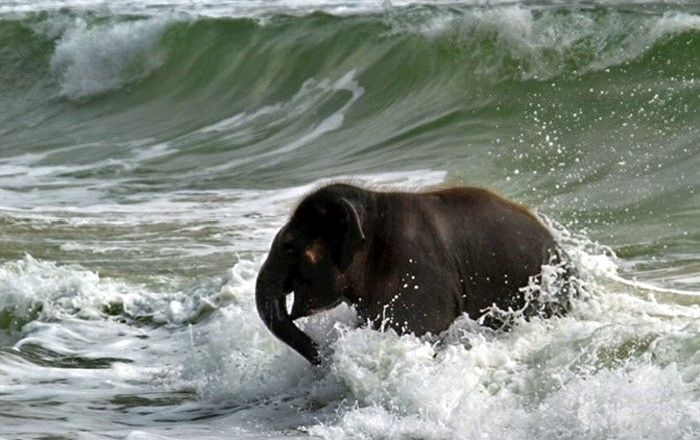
44	291
32	287
545	44
248	8
94	59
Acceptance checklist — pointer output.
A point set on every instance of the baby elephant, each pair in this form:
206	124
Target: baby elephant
417	259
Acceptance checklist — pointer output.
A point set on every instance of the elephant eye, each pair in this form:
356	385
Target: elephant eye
289	248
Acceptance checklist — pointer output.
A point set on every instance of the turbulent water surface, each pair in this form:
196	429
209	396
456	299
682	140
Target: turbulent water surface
150	150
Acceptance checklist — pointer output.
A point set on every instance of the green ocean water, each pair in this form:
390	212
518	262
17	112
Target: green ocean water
148	153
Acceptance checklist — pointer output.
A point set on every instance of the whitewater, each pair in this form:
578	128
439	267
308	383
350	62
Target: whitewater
149	151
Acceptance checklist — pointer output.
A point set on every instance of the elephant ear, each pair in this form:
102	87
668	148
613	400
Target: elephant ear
345	232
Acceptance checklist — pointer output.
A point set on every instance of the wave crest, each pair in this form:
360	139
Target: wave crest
91	60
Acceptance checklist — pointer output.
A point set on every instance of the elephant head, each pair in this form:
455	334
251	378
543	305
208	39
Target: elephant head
309	257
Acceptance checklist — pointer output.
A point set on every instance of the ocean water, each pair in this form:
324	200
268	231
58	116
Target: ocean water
149	150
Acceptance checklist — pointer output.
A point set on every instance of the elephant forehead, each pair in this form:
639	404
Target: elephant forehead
286	236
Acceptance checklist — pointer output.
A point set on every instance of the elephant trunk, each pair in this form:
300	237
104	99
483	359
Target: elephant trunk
270	299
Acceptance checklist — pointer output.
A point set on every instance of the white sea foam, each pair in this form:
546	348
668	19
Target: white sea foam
94	59
44	291
647	401
257	8
29	285
592	375
544	42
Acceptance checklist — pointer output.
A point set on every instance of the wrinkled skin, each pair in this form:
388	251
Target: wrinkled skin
418	259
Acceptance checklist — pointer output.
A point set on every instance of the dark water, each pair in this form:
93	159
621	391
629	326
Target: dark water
148	153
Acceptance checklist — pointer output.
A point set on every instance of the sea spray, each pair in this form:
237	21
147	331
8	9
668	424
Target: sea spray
95	59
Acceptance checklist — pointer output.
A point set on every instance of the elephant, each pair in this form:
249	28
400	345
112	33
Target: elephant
418	260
